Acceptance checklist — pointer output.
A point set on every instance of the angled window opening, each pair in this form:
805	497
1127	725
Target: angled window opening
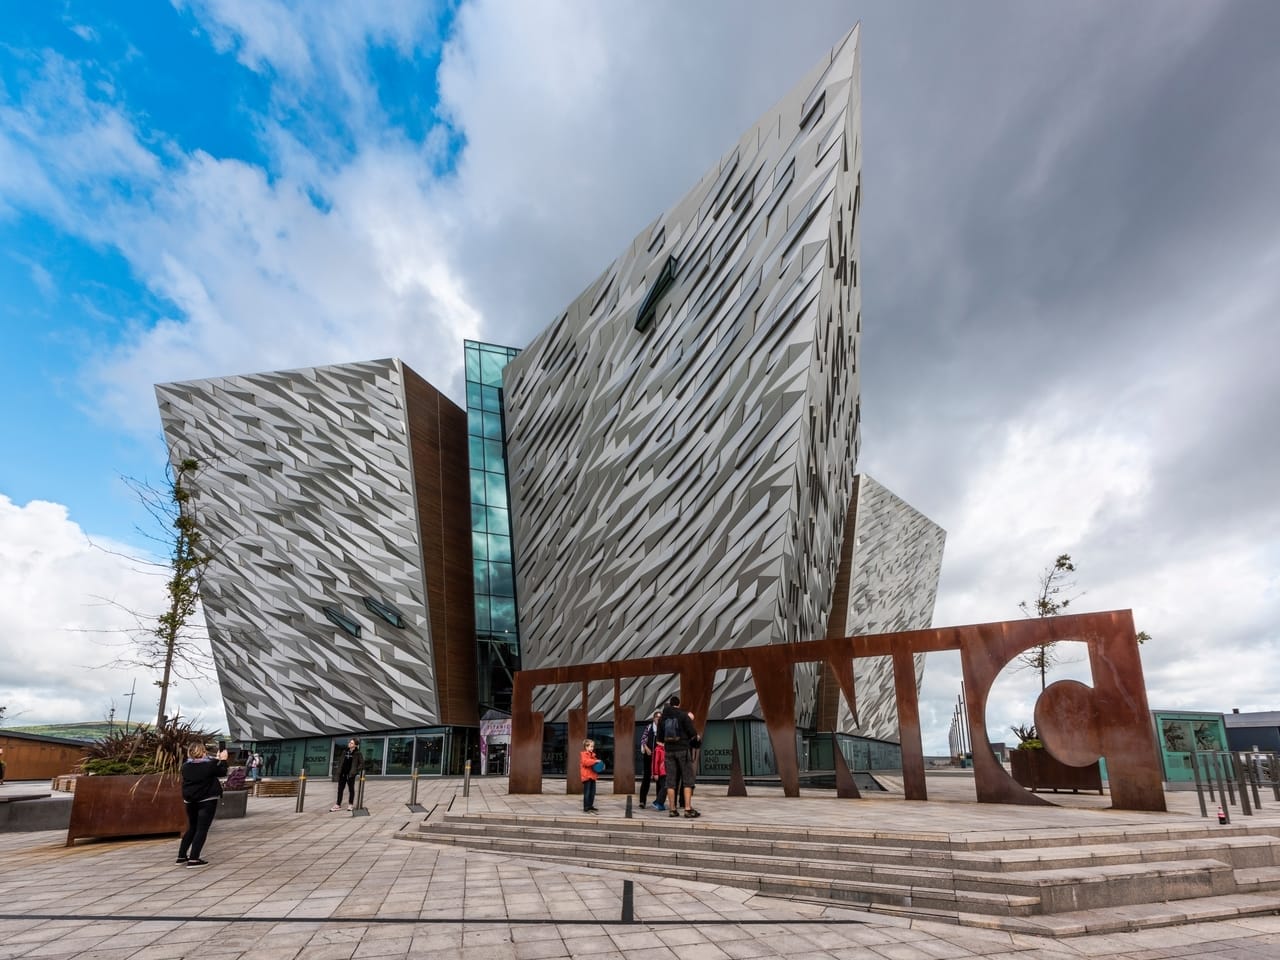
341	621
380	608
649	307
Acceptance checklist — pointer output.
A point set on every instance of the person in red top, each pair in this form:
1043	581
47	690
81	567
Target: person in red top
588	761
660	773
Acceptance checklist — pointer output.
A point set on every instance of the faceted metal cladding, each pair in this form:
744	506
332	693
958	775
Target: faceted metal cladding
309	489
685	486
888	582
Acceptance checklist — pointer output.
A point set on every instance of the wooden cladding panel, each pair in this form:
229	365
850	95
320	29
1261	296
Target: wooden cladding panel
438	445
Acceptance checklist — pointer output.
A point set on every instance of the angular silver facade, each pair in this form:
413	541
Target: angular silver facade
894	564
682	456
307	492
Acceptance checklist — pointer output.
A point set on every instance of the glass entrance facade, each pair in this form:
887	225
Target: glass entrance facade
493	561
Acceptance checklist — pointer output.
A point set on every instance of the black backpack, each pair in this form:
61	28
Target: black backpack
671	729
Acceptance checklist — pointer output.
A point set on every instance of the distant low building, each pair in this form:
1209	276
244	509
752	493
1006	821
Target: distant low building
31	756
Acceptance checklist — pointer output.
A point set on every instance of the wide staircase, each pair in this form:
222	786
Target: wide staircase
1062	883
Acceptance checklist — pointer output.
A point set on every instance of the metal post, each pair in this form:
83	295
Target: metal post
1238	769
1273	772
628	806
1251	772
360	810
1222	789
466	779
413	804
1195	773
1224	772
302	791
628	901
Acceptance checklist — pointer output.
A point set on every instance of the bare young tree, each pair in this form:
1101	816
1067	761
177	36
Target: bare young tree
172	643
1057	591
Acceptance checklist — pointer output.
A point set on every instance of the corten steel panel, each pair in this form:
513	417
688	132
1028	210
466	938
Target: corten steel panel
846	786
126	806
640	463
438	443
1120	699
774	675
904	682
1120	726
573	750
624	749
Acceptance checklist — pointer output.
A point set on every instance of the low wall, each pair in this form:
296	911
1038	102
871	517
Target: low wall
26	815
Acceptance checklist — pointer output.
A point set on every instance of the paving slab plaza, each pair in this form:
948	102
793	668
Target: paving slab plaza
331	886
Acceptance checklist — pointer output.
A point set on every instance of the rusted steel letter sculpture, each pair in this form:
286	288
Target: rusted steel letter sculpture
1078	723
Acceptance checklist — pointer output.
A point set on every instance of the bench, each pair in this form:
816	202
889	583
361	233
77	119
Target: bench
274	788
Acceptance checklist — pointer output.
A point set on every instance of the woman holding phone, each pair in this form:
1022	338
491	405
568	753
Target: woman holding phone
201	789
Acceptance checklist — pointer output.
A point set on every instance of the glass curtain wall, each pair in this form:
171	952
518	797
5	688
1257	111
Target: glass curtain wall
497	633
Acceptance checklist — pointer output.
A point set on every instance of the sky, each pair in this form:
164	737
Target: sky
1071	268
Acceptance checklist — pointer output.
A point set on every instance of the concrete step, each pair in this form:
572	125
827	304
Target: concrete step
1258	880
1237	851
802	872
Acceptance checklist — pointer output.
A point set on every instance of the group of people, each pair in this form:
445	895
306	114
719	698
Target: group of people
668	750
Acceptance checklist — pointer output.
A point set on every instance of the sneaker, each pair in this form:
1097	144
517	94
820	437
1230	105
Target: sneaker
181	860
691	813
643	804
659	806
348	806
590	810
335	808
594	810
197	862
673	813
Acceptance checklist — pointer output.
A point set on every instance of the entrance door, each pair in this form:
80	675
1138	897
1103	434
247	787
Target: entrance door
431	755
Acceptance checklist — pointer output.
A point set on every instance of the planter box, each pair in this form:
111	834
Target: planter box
1040	770
126	806
232	804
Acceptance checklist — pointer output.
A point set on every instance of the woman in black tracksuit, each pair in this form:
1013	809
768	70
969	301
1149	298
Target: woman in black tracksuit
200	792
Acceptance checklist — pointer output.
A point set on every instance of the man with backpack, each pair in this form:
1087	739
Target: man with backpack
680	737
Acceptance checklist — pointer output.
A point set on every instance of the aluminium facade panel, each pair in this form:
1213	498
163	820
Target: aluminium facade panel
894	559
307	493
682	459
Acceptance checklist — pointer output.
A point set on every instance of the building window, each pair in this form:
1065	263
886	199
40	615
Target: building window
649	307
341	621
380	608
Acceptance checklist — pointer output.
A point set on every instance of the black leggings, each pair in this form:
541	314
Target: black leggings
349	782
199	816
647	778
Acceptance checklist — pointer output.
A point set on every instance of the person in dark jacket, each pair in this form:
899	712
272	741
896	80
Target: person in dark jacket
680	737
349	770
200	792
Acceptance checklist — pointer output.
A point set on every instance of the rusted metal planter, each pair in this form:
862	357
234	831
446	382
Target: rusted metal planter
126	806
1041	770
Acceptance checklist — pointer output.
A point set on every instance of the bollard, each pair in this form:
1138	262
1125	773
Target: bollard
360	810
302	791
628	806
628	902
413	804
1195	773
466	780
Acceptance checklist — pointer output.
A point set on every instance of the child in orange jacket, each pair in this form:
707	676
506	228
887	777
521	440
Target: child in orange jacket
588	761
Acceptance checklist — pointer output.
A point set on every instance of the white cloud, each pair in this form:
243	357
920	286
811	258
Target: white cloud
66	614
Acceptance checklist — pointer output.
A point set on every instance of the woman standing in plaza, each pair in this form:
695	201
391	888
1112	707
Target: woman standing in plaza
200	792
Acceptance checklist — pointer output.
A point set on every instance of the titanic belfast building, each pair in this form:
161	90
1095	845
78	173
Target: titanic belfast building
670	466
